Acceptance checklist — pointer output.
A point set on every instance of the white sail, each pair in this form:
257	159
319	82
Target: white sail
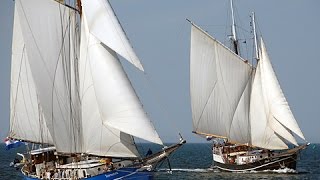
99	139
219	81
26	118
278	115
261	133
47	31
104	25
228	102
118	103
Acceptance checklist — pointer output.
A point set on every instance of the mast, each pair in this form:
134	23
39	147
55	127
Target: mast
234	36
255	37
79	7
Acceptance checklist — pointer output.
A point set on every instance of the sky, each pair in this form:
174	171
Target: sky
160	35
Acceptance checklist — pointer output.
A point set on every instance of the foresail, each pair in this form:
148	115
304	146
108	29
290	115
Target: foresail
104	25
261	133
48	32
219	85
118	103
26	118
99	139
278	114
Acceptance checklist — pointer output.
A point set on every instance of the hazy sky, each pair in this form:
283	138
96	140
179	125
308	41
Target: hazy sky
160	36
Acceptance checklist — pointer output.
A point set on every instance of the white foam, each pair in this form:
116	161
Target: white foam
186	170
284	170
280	171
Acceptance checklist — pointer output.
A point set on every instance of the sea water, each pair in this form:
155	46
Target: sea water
193	161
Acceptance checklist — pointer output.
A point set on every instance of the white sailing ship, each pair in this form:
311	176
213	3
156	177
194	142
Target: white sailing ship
240	106
70	96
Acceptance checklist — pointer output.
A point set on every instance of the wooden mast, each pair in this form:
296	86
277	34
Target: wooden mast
79	7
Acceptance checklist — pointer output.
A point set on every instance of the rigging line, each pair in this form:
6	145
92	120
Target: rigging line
56	67
34	39
29	89
223	84
68	73
17	90
24	102
68	6
63	56
205	105
238	102
73	115
41	56
253	73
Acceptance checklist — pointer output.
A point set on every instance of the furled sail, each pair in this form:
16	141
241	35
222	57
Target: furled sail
99	139
277	121
219	85
104	25
118	103
26	118
48	32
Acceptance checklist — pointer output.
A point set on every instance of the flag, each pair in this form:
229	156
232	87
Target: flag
10	143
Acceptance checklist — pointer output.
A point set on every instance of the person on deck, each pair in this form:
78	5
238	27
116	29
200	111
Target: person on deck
149	152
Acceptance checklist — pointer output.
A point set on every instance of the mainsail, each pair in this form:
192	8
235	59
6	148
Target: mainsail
218	85
234	100
47	31
26	118
79	90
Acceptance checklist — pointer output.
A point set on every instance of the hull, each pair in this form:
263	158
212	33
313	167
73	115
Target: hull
288	161
122	173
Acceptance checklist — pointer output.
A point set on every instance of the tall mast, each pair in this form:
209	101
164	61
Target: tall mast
255	36
234	36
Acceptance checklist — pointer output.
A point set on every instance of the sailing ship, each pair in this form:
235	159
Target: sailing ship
71	99
239	106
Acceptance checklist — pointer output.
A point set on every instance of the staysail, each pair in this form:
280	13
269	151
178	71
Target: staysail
118	103
270	114
104	25
99	139
231	99
26	118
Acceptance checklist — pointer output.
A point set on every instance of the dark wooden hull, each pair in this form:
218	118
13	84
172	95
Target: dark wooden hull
274	163
287	159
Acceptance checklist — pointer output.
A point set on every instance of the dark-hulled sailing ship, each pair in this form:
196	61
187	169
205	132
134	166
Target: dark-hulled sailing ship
240	106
